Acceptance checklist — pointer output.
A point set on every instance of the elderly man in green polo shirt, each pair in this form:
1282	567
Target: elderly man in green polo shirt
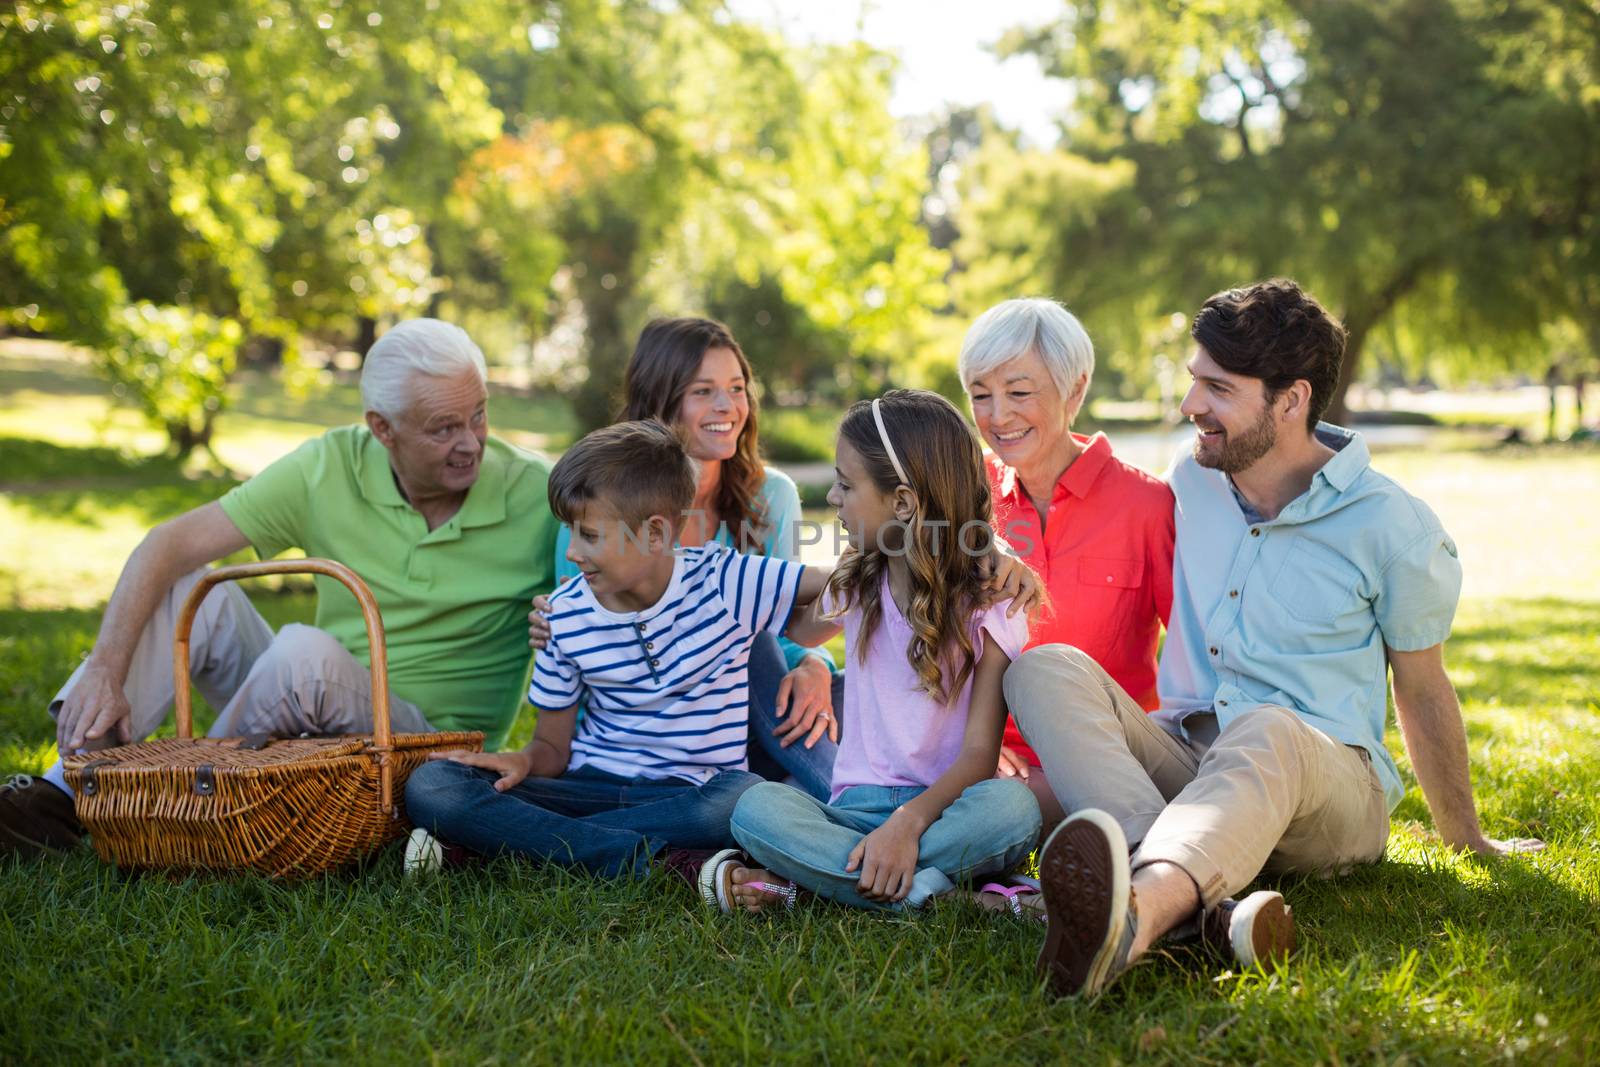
450	528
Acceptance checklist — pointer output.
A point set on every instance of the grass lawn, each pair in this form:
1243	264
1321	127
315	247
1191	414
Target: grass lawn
1427	956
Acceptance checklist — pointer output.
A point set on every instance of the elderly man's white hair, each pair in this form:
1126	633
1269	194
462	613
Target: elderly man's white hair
1033	324
429	347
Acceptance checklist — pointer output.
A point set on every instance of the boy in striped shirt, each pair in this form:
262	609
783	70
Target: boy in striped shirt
654	642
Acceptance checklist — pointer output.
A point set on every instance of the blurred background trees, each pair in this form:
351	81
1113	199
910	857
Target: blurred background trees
191	183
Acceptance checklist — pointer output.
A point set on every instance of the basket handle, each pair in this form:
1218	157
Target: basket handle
382	737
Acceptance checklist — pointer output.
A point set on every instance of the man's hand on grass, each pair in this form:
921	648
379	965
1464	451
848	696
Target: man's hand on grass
1490	846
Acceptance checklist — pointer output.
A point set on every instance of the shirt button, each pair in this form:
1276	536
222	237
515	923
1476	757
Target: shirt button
1108	579
1213	650
641	627
1255	531
1222	703
655	663
649	646
1233	592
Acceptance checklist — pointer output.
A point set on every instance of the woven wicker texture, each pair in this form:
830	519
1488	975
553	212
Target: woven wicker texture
289	808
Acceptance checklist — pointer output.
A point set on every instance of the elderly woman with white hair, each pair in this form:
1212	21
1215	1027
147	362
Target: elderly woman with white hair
1098	531
449	526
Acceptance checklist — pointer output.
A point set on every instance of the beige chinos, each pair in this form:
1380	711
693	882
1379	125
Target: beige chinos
1269	792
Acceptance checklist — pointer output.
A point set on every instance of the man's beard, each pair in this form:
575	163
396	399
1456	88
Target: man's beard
1240	450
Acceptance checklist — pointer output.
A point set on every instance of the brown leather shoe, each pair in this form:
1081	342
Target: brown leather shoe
1258	930
36	817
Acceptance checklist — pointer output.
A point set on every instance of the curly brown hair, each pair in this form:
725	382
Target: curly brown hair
1278	332
946	541
665	360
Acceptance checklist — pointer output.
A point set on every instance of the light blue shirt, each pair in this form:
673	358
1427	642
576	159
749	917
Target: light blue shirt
782	502
1296	611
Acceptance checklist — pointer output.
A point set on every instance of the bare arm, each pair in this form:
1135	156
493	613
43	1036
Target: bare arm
806	626
545	756
1430	722
97	707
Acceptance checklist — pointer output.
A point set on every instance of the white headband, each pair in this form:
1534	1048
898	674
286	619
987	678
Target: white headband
883	435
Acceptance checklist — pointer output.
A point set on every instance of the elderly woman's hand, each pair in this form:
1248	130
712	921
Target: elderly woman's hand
1010	578
1012	765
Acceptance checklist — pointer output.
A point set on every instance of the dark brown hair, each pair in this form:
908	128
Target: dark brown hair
665	360
1277	332
947	539
639	468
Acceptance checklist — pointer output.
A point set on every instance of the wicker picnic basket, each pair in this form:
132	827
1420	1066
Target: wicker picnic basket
285	807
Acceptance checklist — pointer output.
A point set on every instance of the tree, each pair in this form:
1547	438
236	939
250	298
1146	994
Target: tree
1383	152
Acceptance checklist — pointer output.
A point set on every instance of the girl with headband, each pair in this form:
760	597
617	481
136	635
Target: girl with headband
914	807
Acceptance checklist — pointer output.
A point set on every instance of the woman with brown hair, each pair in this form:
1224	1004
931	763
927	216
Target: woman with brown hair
691	374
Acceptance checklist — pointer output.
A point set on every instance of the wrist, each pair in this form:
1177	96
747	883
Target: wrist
912	819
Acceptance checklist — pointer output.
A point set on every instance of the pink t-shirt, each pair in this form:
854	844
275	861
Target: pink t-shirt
895	734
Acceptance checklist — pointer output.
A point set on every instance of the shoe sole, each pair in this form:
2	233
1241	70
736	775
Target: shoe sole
424	854
1261	929
710	879
1083	874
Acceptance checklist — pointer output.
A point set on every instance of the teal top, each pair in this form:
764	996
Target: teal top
1296	611
781	500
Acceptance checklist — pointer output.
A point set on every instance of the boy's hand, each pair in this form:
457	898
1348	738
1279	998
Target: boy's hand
805	703
512	767
538	624
1010	578
887	858
1012	765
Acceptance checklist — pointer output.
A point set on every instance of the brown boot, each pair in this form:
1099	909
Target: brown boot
36	817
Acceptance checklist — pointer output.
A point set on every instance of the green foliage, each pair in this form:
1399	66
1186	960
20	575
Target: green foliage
175	364
1427	160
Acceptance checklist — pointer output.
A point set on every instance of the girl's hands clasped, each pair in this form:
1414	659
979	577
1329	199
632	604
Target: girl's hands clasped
887	859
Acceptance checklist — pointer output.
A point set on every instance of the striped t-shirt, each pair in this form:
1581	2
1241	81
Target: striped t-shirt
666	689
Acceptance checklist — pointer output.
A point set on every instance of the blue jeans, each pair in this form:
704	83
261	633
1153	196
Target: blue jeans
991	826
586	818
812	768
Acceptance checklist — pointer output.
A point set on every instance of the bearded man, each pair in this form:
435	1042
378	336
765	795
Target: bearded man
1301	578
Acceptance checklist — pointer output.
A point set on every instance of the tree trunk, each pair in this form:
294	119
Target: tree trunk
1338	412
366	335
1359	321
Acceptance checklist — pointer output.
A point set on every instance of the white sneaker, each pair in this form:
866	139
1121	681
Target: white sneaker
424	854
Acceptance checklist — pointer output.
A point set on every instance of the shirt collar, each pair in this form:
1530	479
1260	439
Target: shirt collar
1077	479
1350	457
486	500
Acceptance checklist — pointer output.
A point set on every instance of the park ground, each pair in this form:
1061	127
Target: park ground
1428	956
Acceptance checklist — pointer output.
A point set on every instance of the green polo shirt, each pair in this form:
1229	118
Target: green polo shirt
454	600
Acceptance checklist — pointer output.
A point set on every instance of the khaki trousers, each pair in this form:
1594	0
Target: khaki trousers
1268	792
298	680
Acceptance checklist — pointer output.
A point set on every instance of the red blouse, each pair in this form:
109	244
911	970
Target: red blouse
1106	559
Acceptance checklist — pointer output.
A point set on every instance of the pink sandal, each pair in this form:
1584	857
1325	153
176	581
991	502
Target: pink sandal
716	882
1011	893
